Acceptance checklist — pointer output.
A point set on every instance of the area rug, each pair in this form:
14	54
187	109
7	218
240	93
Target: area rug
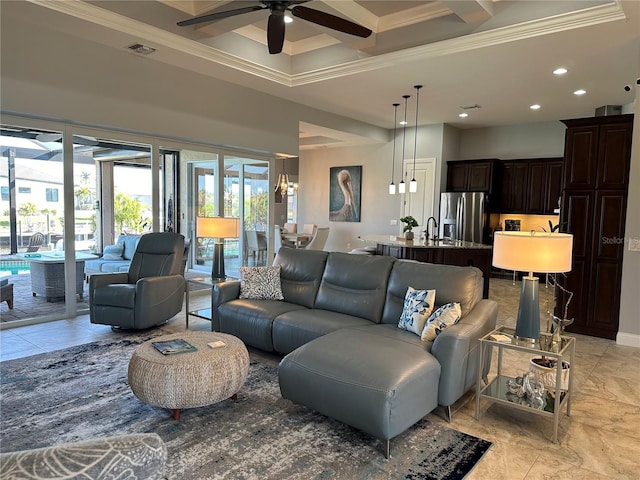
82	392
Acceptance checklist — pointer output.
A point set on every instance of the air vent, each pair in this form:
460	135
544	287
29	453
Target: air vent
141	49
475	106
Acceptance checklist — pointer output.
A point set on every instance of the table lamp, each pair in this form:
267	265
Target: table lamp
531	252
220	228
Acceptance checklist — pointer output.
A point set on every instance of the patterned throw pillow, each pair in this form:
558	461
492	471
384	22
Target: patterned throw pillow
443	317
260	283
418	305
113	252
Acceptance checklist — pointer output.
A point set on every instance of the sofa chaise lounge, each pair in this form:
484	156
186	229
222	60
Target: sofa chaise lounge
344	353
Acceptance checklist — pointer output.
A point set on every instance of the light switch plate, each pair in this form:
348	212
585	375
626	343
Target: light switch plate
634	244
394	222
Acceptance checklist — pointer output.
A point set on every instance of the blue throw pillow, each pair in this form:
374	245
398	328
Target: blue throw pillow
113	252
418	305
443	317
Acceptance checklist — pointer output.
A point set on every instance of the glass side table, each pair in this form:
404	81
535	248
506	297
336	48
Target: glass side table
203	312
497	390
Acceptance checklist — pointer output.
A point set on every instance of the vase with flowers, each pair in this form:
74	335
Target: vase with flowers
409	224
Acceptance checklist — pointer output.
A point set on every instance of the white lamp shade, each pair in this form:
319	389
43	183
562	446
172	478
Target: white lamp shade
392	189
533	251
413	186
401	187
217	227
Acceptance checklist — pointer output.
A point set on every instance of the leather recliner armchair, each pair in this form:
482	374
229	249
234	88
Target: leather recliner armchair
150	293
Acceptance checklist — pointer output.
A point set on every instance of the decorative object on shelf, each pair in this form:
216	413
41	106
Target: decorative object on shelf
410	223
526	390
220	228
402	185
392	186
413	184
531	252
544	370
344	193
556	325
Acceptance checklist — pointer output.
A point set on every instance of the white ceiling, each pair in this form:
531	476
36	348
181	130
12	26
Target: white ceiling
496	54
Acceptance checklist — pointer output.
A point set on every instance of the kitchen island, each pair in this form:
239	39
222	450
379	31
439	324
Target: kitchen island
449	252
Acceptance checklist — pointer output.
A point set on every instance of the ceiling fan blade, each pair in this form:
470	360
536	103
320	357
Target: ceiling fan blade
210	17
330	21
275	32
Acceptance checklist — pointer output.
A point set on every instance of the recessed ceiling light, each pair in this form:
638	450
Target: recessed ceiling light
404	122
463	115
580	92
535	106
560	71
288	19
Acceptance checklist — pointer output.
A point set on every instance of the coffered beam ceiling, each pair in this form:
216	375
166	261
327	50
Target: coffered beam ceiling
494	53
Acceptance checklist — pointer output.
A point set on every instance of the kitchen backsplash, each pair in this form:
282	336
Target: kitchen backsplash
530	222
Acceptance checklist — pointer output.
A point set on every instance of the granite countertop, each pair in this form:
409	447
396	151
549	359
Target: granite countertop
392	240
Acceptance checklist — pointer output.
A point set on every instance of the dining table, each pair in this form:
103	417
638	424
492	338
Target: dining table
297	238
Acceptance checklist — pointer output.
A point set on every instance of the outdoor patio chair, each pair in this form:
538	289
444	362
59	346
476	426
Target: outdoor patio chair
35	242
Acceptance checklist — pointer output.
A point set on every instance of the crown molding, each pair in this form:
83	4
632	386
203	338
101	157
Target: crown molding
559	23
421	13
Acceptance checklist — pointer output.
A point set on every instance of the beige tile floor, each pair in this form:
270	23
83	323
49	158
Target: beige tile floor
600	440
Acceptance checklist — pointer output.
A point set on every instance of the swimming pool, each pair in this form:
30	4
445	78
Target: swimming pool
13	267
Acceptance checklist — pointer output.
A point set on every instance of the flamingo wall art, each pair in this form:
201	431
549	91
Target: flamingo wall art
344	193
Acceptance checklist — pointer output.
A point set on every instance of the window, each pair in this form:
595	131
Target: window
24	189
4	192
52	194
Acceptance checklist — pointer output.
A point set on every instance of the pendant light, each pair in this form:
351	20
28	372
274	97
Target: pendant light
413	185
392	186
402	186
283	181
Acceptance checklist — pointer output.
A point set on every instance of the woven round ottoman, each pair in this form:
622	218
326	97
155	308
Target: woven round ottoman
192	379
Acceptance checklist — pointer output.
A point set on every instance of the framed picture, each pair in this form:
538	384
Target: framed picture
344	193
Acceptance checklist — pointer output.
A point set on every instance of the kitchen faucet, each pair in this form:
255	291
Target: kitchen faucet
434	236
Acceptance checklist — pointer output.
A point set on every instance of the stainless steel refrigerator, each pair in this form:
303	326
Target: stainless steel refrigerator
464	216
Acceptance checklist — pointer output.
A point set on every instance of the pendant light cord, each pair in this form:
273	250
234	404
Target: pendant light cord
404	130
415	141
393	156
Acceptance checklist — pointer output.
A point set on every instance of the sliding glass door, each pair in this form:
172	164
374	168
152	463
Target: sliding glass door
240	191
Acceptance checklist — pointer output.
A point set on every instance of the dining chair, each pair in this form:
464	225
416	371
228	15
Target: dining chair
310	229
290	228
319	239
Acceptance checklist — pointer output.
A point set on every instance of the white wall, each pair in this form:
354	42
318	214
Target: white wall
629	330
378	207
530	140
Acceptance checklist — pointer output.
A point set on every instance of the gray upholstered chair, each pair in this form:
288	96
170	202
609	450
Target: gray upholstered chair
150	293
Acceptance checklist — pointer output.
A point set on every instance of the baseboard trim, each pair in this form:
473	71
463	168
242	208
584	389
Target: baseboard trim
628	339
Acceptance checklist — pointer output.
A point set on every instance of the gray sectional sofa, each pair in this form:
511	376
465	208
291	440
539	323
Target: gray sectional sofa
344	353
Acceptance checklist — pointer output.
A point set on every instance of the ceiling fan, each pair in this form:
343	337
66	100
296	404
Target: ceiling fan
275	25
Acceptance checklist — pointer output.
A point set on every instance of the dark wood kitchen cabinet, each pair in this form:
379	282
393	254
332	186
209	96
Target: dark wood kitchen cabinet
531	186
471	175
594	204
